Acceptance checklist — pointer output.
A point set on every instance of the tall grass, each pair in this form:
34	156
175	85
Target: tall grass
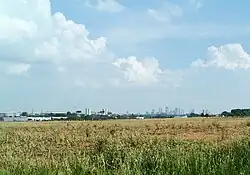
171	157
76	148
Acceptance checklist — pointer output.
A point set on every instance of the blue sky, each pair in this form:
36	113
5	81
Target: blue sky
124	55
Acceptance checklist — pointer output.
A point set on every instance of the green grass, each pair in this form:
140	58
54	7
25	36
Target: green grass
114	148
170	157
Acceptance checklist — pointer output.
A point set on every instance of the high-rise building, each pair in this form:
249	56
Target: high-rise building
153	112
170	112
175	111
87	111
166	110
160	110
179	111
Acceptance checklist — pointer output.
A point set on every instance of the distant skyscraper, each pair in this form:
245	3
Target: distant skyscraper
153	112
87	111
180	111
160	110
170	112
176	111
166	110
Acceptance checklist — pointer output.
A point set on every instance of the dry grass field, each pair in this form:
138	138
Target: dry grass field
154	146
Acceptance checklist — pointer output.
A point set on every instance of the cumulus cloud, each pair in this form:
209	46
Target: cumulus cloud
19	69
35	34
31	34
146	71
166	13
112	6
229	56
17	22
70	42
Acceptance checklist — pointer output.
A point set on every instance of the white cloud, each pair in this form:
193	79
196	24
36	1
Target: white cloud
158	16
16	20
196	3
166	13
112	6
31	34
145	27
229	56
34	34
146	72
70	42
19	69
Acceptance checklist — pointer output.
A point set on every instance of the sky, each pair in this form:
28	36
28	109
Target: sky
124	55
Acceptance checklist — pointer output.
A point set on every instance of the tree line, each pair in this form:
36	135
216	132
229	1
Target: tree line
236	113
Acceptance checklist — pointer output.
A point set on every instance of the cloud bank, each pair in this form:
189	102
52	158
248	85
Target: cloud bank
31	34
229	56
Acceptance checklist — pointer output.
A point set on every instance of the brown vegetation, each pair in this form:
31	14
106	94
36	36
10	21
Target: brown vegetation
49	143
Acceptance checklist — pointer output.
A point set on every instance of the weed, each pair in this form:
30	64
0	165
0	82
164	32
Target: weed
171	146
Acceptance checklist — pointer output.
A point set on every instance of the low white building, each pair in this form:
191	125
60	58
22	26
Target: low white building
59	118
39	118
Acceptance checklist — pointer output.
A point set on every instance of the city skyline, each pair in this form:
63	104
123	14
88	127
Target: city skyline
88	111
124	55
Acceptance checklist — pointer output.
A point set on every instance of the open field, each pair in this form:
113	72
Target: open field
159	146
